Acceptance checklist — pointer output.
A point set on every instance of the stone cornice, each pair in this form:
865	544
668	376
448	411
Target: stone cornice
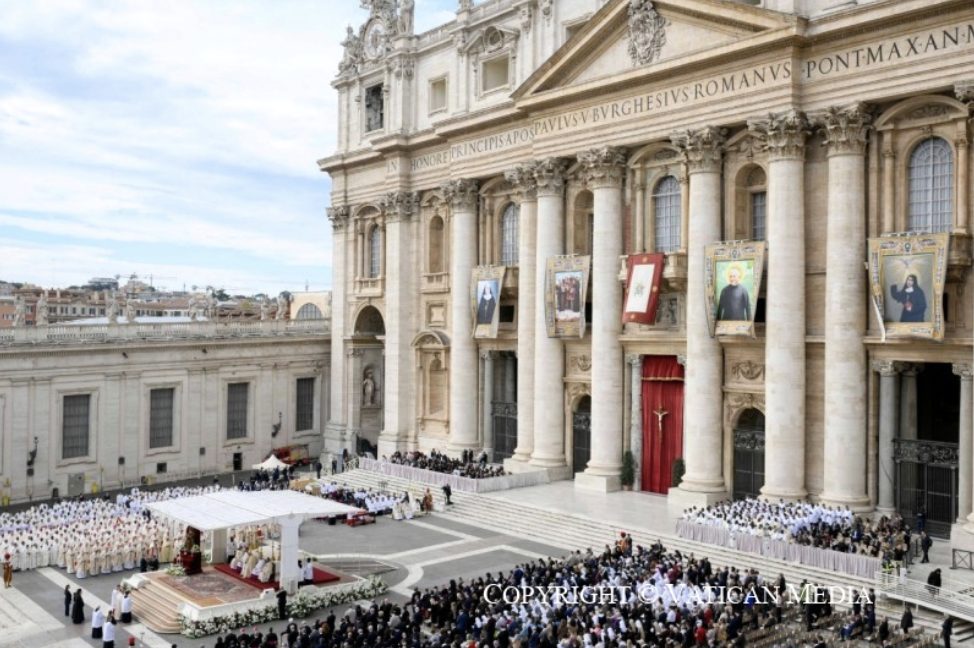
399	205
461	194
550	176
523	181
782	134
845	129
703	148
603	167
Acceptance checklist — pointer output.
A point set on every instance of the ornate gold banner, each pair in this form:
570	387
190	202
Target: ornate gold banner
485	293
565	288
906	279
732	283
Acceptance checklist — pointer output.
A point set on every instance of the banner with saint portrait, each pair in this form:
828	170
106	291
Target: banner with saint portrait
906	281
485	293
732	282
565	288
644	272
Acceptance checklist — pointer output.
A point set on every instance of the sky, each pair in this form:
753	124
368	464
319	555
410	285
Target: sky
175	140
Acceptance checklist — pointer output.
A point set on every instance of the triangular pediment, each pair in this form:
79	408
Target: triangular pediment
668	32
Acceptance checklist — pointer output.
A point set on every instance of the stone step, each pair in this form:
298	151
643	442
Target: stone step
157	607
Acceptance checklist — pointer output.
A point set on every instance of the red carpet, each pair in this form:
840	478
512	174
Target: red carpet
321	577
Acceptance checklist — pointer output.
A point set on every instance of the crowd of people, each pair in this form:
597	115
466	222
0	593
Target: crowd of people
88	537
277	479
815	525
468	465
376	502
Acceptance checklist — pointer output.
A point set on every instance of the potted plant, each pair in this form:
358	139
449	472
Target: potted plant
679	467
628	476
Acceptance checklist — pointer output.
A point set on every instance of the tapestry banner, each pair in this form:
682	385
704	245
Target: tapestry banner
485	292
732	283
644	272
906	279
565	287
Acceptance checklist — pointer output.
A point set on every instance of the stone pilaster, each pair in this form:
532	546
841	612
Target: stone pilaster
783	135
549	357
889	398
635	362
908	400
703	482
398	265
462	196
488	412
845	131
965	446
335	428
603	170
522	179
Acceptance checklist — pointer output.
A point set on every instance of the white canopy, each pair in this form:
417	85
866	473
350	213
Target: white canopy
270	464
231	508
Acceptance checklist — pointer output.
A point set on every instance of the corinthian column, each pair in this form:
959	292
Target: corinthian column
335	428
549	358
525	186
845	309
784	137
965	426
604	168
462	197
703	482
889	415
398	208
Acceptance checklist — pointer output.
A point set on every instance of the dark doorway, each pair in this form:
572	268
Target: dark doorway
749	454
582	434
504	405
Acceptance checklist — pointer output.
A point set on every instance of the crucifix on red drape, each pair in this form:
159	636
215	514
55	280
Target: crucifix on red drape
662	424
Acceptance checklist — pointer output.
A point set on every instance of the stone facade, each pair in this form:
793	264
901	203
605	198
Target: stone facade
116	369
808	113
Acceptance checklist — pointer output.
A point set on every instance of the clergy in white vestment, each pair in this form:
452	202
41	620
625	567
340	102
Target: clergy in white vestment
97	622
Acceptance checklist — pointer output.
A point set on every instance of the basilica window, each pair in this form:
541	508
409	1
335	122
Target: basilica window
437	96
161	403
238	395
75	426
375	252
495	73
757	195
309	312
666	214
509	224
436	245
931	186
304	418
374	108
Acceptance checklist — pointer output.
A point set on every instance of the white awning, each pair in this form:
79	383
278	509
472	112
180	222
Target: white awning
270	464
232	508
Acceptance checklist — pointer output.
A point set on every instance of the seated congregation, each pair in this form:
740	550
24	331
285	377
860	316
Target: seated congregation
435	461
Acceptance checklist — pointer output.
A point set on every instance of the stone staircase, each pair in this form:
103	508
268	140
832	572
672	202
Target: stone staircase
571	532
157	606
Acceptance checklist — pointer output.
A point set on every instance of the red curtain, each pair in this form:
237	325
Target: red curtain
662	394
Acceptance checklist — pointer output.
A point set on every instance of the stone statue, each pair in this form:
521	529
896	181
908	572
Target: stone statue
212	308
20	312
354	52
129	311
406	11
281	307
112	310
41	318
647	32
369	389
194	308
265	309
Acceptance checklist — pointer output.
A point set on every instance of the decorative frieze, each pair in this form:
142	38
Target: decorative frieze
845	129
604	166
782	134
549	176
461	194
702	148
747	370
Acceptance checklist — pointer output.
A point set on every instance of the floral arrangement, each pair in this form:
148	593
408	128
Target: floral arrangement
175	569
302	604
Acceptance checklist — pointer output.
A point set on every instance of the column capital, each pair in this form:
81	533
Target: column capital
461	194
523	181
486	354
844	129
702	148
964	91
399	205
635	359
338	215
549	176
911	368
782	134
887	367
682	361
963	369
603	167
355	353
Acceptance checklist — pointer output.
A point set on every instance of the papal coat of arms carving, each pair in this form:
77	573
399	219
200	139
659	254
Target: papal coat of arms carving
647	32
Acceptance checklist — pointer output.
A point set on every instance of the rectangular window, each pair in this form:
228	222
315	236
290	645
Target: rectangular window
759	205
305	415
374	108
437	95
237	395
496	73
161	417
75	424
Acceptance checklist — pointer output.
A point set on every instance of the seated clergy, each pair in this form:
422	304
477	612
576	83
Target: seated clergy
267	572
258	568
250	564
239	560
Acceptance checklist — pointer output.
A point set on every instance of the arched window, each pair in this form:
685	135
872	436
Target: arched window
436	245
509	235
931	182
666	214
309	312
757	189
375	252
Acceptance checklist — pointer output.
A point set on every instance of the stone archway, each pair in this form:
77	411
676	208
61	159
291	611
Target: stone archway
748	454
367	377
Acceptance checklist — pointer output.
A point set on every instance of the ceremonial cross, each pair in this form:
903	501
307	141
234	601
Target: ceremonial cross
660	413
